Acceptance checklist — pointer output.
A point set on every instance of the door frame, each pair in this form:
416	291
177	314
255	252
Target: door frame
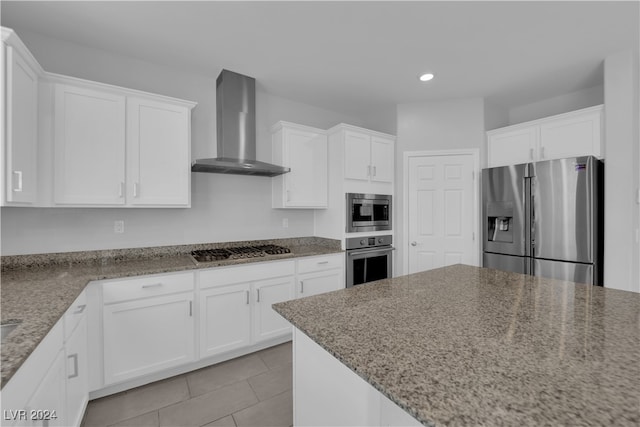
407	155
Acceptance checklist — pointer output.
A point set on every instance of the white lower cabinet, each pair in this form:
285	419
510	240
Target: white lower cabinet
47	407
225	319
51	386
77	373
76	358
148	325
318	283
147	328
235	305
147	335
266	322
317	275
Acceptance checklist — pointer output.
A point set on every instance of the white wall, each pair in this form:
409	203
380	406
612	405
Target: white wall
621	171
495	117
224	207
559	104
441	125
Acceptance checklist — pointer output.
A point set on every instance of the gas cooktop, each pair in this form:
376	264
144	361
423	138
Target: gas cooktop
240	252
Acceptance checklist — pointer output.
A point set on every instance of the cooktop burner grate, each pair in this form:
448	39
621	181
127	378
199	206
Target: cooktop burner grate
241	252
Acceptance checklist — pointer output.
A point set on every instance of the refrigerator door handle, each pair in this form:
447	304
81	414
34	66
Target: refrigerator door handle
528	199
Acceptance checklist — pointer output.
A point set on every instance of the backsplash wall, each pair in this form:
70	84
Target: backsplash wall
224	207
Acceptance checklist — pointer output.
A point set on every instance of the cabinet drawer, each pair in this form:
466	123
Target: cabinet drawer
123	290
245	273
319	263
74	314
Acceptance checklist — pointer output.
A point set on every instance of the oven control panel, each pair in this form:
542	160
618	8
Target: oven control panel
368	242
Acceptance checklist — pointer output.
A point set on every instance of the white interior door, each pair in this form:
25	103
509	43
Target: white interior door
442	211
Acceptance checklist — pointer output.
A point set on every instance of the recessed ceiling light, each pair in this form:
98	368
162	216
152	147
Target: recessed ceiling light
426	77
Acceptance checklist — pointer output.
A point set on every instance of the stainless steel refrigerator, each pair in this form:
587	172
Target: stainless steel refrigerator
546	219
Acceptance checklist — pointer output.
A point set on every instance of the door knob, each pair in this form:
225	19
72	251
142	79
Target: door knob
414	243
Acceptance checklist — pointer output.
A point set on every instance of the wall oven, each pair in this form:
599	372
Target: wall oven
368	212
368	259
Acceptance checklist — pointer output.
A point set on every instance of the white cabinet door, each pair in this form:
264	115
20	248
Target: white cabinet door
357	155
381	159
303	149
306	155
577	133
318	283
49	401
225	319
268	323
158	153
147	335
571	136
21	86
89	147
77	373
512	147
25	388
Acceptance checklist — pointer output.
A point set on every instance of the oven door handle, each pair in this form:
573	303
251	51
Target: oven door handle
368	251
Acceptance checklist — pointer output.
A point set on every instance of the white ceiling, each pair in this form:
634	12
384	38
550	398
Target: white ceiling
357	57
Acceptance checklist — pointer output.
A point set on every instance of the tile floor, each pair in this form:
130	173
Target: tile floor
252	390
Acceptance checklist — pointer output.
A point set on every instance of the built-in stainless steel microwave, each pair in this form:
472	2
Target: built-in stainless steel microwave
368	212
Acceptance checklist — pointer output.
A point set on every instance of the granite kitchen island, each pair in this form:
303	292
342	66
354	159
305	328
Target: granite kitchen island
465	345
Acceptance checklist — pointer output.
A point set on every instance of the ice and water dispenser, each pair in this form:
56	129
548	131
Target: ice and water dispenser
500	222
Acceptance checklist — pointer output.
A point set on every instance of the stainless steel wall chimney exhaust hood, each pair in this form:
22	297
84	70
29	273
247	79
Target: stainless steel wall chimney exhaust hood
236	130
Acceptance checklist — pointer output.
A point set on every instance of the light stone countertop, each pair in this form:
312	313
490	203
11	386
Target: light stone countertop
38	289
463	345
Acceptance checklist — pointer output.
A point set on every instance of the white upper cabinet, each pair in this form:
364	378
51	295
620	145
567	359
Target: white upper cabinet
18	171
304	150
512	147
381	159
368	157
72	142
158	153
89	147
357	155
578	133
114	147
572	135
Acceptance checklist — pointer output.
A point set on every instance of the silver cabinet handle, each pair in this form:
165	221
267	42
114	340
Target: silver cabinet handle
80	309
75	365
414	243
530	153
374	171
247	297
288	196
302	286
121	190
18	174
369	170
323	262
153	285
190	308
542	152
258	295
136	189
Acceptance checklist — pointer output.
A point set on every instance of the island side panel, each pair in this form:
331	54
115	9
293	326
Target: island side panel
327	393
